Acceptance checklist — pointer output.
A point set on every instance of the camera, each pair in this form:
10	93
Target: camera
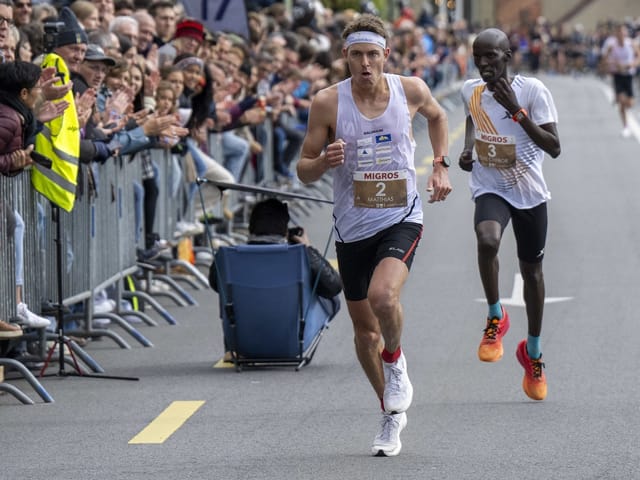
294	232
51	30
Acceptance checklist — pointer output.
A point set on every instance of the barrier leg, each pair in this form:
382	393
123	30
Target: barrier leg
153	303
16	392
29	377
121	322
95	332
179	290
141	315
200	277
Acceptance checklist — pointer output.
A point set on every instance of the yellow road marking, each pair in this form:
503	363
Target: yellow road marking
222	364
165	424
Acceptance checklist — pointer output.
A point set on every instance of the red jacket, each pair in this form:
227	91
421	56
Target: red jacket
11	132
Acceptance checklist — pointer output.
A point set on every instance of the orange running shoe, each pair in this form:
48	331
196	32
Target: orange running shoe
490	349
534	382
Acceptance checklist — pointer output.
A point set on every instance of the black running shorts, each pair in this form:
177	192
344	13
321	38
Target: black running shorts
529	225
358	260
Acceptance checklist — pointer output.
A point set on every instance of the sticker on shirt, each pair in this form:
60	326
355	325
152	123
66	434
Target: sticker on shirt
380	189
365	141
365	156
497	151
383	154
384	138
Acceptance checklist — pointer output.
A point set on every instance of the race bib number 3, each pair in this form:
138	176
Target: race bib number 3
497	151
380	189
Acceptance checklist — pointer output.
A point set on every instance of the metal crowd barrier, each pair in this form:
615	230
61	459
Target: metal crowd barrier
16	194
7	259
168	207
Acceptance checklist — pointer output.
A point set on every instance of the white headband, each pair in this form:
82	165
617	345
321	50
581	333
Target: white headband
365	37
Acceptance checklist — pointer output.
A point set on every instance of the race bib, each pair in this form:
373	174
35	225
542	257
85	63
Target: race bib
497	151
380	189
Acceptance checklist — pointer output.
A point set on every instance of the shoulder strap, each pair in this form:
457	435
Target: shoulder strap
480	117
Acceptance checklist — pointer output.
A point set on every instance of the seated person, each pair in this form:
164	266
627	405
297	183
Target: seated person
268	224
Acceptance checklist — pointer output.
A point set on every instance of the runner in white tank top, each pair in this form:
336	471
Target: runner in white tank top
360	130
375	187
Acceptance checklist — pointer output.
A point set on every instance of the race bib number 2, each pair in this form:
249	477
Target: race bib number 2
380	189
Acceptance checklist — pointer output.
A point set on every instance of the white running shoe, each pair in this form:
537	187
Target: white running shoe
30	319
398	391
626	132
105	305
387	442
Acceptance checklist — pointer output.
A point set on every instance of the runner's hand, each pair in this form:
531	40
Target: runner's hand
438	184
466	160
334	154
505	96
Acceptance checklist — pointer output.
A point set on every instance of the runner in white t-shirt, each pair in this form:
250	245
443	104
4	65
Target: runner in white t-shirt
511	124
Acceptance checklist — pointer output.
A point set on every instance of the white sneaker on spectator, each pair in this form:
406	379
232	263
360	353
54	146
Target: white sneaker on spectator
104	306
387	442
204	257
30	319
162	244
100	323
184	228
398	391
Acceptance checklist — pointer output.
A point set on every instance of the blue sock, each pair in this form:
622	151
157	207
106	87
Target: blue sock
533	347
495	310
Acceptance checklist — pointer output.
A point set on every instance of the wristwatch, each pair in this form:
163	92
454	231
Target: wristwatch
519	116
442	160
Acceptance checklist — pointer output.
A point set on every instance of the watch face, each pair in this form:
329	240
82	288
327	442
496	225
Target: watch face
444	160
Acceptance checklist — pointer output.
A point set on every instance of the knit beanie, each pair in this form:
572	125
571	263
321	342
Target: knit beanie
72	33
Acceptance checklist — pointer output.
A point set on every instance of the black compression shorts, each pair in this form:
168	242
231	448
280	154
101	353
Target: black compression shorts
529	225
358	260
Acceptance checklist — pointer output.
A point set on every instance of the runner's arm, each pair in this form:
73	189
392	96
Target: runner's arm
314	161
466	157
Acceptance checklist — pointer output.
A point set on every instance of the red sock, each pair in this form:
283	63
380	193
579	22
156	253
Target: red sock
390	357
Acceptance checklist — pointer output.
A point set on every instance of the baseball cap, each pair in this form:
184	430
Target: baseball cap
190	28
95	53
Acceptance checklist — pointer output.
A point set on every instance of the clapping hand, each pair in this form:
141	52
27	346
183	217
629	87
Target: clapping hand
50	110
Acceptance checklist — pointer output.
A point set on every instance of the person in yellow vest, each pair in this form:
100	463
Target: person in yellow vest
511	124
59	139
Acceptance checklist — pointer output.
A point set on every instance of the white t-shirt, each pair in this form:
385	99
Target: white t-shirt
522	184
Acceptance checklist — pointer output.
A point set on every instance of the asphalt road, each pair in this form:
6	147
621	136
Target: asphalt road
468	421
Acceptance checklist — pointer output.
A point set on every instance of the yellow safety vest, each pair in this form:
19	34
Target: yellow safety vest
59	140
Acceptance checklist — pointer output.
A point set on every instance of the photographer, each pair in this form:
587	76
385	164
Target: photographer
268	224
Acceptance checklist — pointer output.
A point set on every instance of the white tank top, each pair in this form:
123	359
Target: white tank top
620	54
377	148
